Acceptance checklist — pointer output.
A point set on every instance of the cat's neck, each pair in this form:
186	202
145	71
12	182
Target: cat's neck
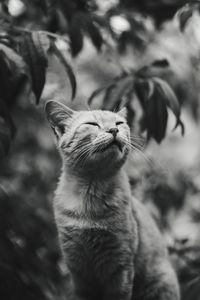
93	195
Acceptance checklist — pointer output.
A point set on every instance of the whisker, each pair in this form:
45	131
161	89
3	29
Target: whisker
82	155
133	143
87	155
98	147
136	137
138	150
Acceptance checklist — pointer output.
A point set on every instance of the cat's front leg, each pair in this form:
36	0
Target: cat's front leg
120	287
118	295
162	284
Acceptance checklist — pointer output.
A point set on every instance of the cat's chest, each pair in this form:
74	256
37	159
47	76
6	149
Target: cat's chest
97	250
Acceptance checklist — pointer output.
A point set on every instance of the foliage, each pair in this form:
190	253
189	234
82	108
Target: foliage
25	68
24	61
154	95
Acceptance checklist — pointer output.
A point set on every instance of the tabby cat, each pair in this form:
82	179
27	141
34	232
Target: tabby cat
111	245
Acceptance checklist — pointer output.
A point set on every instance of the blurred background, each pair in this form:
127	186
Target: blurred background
139	53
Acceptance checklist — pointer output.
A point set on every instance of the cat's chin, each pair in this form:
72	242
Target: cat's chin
113	151
114	154
114	146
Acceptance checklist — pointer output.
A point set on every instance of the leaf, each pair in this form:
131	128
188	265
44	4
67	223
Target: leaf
161	63
155	96
42	44
13	77
184	15
6	39
170	98
76	36
99	91
67	66
114	94
94	34
12	82
154	69
156	116
35	57
144	89
5	77
7	129
5	138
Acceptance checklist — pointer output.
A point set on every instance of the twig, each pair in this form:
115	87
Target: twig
54	35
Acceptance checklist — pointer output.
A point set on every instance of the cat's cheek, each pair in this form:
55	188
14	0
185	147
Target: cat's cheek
65	146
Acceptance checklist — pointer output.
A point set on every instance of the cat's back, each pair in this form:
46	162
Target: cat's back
152	264
149	233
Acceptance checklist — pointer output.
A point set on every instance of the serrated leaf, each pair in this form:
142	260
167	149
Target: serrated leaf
36	60
67	66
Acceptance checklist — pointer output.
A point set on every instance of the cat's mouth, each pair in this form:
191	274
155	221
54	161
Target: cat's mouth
114	143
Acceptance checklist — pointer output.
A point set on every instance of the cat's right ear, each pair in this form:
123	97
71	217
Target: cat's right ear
57	115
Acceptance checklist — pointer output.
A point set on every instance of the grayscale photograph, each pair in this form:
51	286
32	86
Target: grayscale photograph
99	149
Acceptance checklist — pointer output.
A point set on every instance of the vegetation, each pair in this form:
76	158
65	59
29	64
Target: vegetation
105	54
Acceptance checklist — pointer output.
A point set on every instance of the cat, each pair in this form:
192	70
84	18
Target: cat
111	245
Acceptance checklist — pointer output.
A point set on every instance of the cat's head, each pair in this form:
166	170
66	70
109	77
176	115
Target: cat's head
90	141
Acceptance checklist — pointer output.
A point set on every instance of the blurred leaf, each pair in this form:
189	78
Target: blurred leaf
67	66
94	34
5	137
13	80
81	23
34	55
154	69
5	75
184	14
144	89
115	94
162	63
99	91
130	37
6	39
7	129
76	36
42	43
156	117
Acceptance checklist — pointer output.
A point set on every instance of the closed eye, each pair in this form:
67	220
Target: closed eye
119	123
92	124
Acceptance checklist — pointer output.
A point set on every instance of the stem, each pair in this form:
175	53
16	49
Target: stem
54	35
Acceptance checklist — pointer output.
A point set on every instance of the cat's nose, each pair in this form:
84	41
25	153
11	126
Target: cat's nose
114	131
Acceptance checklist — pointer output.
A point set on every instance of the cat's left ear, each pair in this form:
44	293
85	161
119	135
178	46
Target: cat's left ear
57	115
123	112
